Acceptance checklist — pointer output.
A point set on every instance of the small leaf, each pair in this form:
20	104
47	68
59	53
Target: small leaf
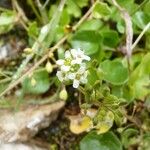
107	141
33	29
101	9
73	8
114	72
7	20
92	24
89	41
41	86
140	19
104	120
110	37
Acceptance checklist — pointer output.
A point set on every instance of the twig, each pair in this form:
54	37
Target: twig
16	5
129	30
84	17
139	7
45	4
140	36
11	86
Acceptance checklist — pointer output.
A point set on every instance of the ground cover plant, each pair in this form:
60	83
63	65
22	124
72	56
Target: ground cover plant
92	54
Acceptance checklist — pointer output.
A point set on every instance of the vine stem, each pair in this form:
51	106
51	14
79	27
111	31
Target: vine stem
140	36
38	63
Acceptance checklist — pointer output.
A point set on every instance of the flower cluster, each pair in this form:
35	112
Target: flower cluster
73	67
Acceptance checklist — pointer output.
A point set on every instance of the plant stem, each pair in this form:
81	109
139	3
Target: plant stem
34	9
140	36
12	85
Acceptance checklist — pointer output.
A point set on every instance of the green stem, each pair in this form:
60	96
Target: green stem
34	9
42	12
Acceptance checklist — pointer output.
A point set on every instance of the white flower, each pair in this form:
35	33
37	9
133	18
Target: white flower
67	54
73	67
61	63
60	75
76	83
65	68
71	76
78	56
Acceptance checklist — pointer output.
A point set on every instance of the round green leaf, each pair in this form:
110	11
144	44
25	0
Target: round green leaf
88	40
114	72
101	9
110	37
41	86
107	141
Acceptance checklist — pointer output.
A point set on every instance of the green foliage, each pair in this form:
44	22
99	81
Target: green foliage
107	141
101	9
139	78
41	84
110	37
114	72
87	40
7	21
114	86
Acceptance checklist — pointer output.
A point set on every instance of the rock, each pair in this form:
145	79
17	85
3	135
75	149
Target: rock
20	146
24	124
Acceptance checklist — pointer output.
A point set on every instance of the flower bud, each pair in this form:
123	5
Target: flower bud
49	67
63	94
33	82
28	50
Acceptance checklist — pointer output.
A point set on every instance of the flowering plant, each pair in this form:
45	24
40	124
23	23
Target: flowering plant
73	68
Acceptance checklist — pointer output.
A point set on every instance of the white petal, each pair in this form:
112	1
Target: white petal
80	52
76	83
71	76
65	68
76	61
82	68
74	53
67	54
60	62
86	58
83	80
60	75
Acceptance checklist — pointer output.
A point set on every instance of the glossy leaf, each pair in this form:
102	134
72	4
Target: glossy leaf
89	41
101	9
41	84
107	141
114	72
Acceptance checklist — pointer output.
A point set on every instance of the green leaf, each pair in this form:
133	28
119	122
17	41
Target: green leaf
92	77
89	41
107	141
33	29
73	9
65	18
7	20
139	78
114	72
104	120
82	3
140	19
101	9
42	83
110	38
128	136
92	24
